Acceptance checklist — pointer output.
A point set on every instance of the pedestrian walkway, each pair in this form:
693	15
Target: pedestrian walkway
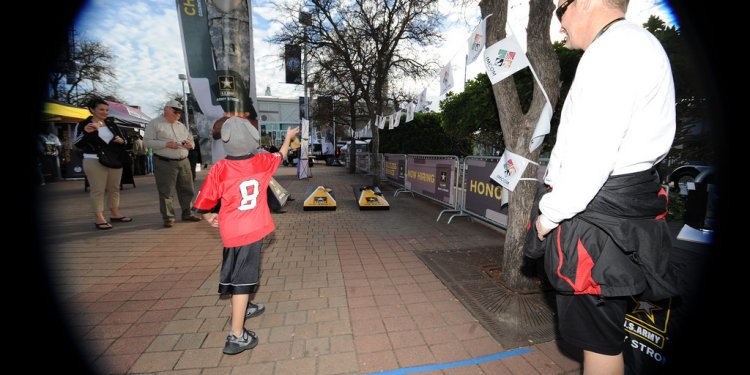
344	290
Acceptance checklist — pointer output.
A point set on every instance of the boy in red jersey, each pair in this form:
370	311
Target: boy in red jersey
240	183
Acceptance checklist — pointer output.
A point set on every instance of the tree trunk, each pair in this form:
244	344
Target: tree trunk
374	159
518	126
353	141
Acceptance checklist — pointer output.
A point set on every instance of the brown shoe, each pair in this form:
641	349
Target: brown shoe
168	223
191	218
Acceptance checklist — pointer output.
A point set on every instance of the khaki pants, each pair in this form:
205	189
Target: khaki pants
173	176
102	180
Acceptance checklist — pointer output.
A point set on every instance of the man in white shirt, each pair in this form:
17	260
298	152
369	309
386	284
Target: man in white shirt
617	122
171	141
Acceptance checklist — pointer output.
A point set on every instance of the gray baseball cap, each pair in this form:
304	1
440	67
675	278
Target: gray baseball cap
240	137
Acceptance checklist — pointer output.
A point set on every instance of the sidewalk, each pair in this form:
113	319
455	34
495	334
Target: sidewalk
344	291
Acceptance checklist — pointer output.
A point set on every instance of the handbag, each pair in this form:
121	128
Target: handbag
109	157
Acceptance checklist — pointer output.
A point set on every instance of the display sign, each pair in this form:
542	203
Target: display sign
434	178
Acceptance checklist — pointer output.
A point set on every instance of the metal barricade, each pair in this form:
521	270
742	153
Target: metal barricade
394	171
481	197
363	162
434	177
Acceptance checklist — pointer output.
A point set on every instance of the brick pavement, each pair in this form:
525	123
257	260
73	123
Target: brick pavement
344	290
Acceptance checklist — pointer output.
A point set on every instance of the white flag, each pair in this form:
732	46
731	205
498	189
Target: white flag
446	79
476	42
504	58
542	127
509	170
396	119
381	124
422	100
409	112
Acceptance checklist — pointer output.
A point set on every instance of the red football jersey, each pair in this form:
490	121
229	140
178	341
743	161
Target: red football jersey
241	184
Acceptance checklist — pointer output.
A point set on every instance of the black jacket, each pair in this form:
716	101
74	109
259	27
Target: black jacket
89	143
618	246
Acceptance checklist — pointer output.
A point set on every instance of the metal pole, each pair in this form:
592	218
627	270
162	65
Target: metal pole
187	106
307	105
466	62
183	78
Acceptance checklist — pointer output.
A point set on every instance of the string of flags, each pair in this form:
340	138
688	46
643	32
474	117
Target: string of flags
501	60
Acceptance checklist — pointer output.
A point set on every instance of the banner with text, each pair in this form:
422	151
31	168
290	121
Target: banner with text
293	63
218	45
483	196
432	177
395	168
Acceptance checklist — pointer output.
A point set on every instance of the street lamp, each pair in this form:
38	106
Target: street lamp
333	109
183	78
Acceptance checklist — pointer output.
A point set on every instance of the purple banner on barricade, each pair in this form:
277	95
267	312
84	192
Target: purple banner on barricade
484	197
434	178
395	168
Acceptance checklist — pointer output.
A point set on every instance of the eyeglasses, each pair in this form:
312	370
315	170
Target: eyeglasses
562	8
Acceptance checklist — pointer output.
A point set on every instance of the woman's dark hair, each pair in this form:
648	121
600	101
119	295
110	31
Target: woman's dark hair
95	102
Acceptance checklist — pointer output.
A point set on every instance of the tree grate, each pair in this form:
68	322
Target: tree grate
513	319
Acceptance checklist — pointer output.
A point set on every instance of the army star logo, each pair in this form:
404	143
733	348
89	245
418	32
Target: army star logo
648	308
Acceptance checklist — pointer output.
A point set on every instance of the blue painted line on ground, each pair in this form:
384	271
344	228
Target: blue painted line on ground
443	366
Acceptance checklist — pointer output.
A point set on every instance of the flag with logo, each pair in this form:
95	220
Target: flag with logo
476	42
409	112
396	119
542	127
504	58
446	79
293	63
216	76
303	168
422	101
509	170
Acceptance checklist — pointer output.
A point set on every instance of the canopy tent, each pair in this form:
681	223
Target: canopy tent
124	115
128	116
56	112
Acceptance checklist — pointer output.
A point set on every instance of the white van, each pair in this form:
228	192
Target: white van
361	146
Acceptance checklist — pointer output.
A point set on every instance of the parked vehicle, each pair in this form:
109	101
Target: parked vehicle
361	146
293	154
684	174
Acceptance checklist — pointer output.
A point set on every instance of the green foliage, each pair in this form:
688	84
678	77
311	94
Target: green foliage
423	135
676	48
472	114
676	207
693	126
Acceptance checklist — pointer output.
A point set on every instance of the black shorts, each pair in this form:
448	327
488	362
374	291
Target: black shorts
240	269
593	323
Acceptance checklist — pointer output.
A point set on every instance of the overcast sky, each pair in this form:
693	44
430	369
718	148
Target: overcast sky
144	36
